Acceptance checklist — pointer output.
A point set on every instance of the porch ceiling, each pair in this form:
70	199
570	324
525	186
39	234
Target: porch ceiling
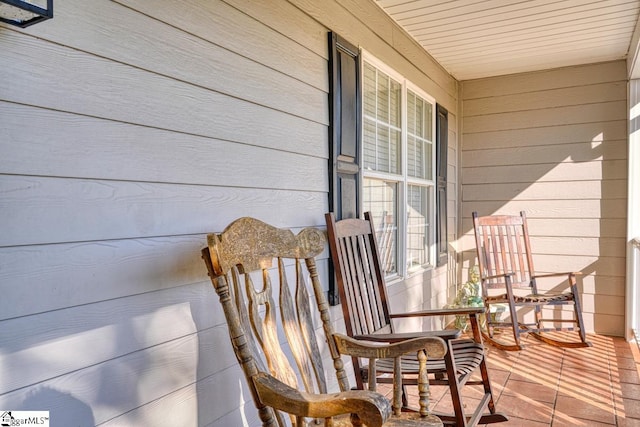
481	38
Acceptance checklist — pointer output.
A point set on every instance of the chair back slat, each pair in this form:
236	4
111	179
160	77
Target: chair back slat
262	301
305	322
360	286
515	250
377	302
503	243
295	329
499	253
245	262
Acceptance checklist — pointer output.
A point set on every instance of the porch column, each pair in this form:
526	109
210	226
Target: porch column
633	214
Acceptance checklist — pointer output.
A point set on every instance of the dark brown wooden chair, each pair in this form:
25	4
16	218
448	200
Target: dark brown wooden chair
508	277
354	251
275	342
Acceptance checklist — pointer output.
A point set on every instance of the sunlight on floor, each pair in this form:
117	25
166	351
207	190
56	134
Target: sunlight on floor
547	386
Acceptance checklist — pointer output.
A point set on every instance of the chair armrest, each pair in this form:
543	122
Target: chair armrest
372	408
574	273
446	334
495	276
435	347
441	312
472	312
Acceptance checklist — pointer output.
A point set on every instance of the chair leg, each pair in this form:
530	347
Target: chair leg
487	332
538	316
492	416
454	388
486	384
405	398
577	307
579	321
514	324
487	319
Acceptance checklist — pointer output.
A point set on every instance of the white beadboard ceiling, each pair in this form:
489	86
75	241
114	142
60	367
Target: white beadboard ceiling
481	38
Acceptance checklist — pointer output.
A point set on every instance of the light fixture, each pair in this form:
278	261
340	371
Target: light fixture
25	12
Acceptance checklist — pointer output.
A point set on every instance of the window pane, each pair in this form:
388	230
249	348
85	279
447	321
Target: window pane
415	157
428	121
419	117
418	214
383	97
383	155
428	163
380	198
382	121
369	144
369	90
419	136
395	99
395	144
411	118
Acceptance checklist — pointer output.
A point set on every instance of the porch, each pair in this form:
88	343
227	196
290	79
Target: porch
547	386
130	129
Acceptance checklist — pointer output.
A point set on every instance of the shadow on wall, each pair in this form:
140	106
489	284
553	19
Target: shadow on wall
70	412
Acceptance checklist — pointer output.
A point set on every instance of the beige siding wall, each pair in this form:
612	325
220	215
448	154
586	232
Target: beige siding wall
128	130
553	144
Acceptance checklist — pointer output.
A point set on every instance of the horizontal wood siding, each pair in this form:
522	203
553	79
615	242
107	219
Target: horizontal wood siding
128	130
554	144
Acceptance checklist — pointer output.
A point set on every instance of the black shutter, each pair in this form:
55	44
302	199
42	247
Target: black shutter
442	139
344	135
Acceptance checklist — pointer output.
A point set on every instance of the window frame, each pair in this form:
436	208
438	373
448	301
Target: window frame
403	179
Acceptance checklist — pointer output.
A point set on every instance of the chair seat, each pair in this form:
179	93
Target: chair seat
405	419
467	355
531	298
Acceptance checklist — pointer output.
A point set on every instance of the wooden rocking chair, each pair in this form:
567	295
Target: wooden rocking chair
506	265
354	251
275	343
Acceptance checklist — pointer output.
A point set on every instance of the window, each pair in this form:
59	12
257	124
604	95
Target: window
398	159
381	159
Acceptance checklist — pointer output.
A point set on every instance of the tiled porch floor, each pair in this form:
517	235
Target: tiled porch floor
548	386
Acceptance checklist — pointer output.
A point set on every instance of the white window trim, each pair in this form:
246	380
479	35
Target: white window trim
403	178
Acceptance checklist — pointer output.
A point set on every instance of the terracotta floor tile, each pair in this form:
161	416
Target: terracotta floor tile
446	405
630	391
525	408
626	363
498	378
591	386
628	422
584	410
548	378
519	422
541	392
627	376
631	408
437	392
576	422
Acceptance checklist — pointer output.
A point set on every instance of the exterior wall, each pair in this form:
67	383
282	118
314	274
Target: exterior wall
128	130
553	144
